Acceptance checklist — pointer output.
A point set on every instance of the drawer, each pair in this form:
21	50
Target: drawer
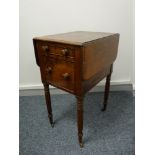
64	51
48	49
60	74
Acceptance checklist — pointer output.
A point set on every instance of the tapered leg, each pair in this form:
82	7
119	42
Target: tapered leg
107	88
48	103
80	119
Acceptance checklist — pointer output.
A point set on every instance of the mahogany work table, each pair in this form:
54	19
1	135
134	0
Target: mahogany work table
75	62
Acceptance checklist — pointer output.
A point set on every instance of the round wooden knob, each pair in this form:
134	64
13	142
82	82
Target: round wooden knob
65	52
49	70
66	76
45	48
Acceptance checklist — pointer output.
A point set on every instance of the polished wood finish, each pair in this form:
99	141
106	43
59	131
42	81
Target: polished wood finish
48	102
99	54
80	119
107	88
76	62
60	73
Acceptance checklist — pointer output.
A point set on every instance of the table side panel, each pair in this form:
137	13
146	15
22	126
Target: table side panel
99	54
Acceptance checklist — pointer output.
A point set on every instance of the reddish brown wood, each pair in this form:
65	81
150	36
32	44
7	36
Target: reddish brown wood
107	88
88	84
48	102
99	55
75	62
60	72
36	52
80	119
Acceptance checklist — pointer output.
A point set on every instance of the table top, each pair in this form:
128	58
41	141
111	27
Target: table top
75	38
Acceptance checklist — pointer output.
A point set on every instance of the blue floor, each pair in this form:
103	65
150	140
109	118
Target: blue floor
108	133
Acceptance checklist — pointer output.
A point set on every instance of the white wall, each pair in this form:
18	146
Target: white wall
41	17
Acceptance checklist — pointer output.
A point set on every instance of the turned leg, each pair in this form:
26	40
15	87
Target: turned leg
80	119
107	88
48	103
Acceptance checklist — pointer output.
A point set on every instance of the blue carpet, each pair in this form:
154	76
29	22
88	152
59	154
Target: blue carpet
109	133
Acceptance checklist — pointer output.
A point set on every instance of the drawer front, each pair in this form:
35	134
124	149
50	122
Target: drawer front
60	74
49	49
64	51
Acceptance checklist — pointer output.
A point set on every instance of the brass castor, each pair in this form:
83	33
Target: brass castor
81	145
52	125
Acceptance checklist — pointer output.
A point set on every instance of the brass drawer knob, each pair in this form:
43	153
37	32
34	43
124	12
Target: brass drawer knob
49	70
65	52
66	76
